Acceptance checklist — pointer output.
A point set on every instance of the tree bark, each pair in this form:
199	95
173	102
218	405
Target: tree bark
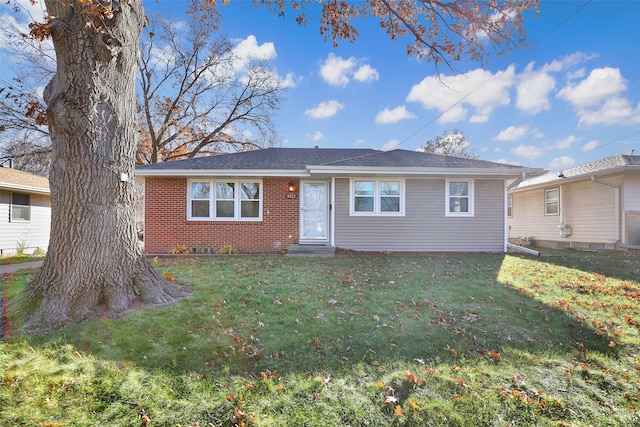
94	265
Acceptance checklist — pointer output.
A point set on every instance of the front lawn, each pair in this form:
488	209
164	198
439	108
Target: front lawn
355	340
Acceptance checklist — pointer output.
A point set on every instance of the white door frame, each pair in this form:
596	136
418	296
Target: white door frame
323	216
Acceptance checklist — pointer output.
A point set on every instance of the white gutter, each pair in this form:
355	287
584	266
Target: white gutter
375	170
25	188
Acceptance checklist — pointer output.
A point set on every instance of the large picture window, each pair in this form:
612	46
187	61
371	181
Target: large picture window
552	202
20	207
459	197
377	196
224	200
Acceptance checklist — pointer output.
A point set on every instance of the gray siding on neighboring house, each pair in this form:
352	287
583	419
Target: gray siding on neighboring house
425	228
587	207
31	234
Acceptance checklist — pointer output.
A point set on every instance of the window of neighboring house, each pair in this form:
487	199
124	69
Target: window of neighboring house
377	196
224	200
509	206
552	202
20	207
459	197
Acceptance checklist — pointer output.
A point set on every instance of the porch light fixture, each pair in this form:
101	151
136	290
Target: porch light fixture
292	187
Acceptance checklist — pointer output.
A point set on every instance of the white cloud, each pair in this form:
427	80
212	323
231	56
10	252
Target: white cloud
602	83
366	74
478	89
567	61
529	151
316	136
533	91
560	163
613	111
249	50
562	144
392	144
359	141
387	116
598	99
324	110
338	71
290	81
590	146
512	133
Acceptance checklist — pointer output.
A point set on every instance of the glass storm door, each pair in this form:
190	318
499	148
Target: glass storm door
314	212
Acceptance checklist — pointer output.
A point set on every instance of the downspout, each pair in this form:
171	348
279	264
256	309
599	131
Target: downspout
618	206
332	215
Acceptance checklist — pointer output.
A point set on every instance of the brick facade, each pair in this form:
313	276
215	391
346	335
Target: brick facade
167	227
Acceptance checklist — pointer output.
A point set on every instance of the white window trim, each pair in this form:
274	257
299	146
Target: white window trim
212	200
447	212
557	190
509	206
376	196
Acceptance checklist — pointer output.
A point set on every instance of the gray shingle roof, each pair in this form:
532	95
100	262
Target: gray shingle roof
300	158
606	164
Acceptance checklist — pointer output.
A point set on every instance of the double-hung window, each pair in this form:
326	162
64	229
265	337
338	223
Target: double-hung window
20	207
377	196
510	206
459	197
224	200
552	201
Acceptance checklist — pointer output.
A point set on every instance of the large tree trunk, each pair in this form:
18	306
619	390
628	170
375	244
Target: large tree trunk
93	265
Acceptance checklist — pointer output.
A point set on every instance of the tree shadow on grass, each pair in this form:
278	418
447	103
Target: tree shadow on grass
258	314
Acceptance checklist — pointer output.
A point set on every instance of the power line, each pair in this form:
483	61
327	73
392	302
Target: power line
544	36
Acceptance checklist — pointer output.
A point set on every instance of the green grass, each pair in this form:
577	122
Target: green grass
448	340
19	259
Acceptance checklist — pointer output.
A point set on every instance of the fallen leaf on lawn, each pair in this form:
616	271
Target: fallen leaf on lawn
319	316
414	405
411	377
381	384
398	411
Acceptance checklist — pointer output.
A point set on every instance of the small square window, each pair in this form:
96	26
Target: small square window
20	207
459	195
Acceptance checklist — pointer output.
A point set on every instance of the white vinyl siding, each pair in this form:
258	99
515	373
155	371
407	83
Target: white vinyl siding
587	207
30	234
224	200
425	227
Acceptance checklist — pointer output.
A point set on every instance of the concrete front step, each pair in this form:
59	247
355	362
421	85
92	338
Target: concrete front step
311	250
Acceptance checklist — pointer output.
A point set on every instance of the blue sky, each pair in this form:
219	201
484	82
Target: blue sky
570	97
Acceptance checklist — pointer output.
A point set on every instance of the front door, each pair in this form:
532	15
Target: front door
314	212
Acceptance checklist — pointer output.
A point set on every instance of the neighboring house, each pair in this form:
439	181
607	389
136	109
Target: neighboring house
592	206
25	212
354	199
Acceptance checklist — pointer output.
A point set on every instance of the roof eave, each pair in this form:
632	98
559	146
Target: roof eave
421	171
581	177
26	188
